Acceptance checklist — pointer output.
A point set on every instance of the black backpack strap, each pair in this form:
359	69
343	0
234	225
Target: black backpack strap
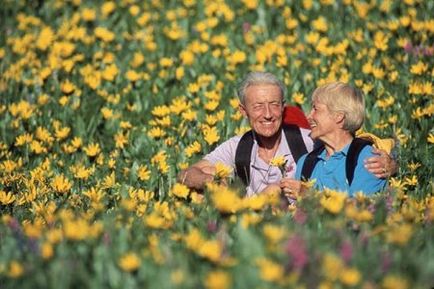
295	141
310	163
354	150
242	157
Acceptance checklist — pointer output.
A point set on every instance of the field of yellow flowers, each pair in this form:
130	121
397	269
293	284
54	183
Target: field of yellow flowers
102	103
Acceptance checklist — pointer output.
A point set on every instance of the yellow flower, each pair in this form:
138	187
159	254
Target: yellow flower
174	31
166	62
224	199
250	219
104	34
333	201
180	190
120	140
273	233
92	149
177	277
15	269
47	251
332	266
222	170
194	240
160	159
270	271
350	276
134	10
381	40
257	202
61	132
61	184
218	280
278	161
179	73
312	37
107	8
6	198
110	72
43	134
23	139
109	181
211	135
156	132
76	230
129	262
399	234
45	38
211	105
394	282
192	149
320	24
211	250
143	173
95	196
76	142
155	221
298	98
430	138
187	57
237	57
81	172
88	14
250	4
419	68
132	75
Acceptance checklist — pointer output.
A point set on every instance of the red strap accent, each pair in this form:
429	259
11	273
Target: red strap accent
294	115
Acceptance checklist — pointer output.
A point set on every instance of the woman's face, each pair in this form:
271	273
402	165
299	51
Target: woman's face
322	121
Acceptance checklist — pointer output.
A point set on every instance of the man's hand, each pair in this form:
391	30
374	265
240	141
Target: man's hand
197	175
271	189
291	188
382	165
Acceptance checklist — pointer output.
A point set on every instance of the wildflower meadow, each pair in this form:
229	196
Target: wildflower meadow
102	103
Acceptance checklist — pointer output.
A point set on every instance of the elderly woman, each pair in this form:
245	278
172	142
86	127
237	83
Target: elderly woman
338	111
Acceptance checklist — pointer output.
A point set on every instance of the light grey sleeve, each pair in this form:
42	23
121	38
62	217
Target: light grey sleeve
225	152
306	138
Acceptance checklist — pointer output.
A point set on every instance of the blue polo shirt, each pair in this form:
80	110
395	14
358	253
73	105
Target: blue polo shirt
330	173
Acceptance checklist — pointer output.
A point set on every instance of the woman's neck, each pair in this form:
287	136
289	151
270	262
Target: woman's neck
337	142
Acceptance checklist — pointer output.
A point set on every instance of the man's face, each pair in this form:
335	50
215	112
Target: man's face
322	122
264	108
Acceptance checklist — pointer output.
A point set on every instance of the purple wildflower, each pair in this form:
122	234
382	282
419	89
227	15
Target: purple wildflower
246	27
300	216
386	261
212	226
296	248
346	251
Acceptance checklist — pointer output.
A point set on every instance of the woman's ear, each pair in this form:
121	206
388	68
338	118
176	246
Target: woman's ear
339	117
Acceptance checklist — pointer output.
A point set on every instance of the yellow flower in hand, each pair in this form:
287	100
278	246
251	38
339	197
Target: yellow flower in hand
222	170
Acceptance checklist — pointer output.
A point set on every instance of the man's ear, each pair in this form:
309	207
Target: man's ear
242	109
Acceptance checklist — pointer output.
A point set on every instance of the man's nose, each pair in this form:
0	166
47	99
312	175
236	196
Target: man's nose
267	109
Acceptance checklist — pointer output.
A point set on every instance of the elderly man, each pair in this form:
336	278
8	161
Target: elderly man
262	102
